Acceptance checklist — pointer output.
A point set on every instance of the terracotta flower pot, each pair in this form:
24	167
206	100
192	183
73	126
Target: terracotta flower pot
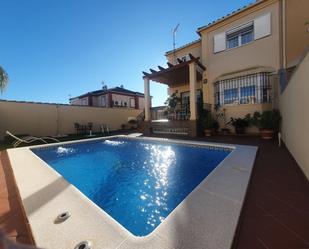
240	130
208	132
225	131
267	134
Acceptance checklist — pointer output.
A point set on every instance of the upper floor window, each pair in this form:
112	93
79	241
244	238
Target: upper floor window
250	89
258	28
184	58
239	37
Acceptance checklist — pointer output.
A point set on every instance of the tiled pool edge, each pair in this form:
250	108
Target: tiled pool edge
106	233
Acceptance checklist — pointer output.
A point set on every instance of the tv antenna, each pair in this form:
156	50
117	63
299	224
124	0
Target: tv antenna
104	86
174	31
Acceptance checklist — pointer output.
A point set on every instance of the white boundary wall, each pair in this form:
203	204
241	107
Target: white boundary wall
294	105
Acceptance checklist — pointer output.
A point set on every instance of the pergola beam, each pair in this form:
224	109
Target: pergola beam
175	74
170	64
197	61
153	71
146	74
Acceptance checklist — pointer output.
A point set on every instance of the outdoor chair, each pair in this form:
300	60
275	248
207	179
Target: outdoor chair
29	139
105	128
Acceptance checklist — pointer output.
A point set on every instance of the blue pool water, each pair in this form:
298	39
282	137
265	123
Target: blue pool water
136	182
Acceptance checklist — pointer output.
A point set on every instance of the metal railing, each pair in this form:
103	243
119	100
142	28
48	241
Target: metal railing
140	117
177	131
179	115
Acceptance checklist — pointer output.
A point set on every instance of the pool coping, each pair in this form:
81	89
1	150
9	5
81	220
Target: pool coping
206	218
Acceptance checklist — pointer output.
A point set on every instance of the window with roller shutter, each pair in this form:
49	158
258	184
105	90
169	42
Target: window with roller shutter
243	34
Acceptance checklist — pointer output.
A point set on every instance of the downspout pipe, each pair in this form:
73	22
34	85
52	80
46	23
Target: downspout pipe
284	34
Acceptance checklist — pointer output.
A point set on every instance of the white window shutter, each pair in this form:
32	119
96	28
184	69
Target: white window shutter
262	26
219	42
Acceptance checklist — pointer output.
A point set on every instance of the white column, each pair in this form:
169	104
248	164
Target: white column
147	99
192	80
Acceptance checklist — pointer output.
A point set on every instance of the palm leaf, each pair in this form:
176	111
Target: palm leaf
4	79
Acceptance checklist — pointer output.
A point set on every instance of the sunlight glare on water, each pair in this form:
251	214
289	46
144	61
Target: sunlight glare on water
138	183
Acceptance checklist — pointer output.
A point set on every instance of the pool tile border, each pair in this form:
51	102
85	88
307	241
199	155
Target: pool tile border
195	223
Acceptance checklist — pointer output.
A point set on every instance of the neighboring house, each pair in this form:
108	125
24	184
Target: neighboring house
109	98
239	64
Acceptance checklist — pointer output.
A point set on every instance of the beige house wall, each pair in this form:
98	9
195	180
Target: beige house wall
263	52
195	49
52	119
178	89
183	88
240	111
297	30
294	103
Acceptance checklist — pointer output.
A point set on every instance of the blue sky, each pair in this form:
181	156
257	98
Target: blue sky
53	49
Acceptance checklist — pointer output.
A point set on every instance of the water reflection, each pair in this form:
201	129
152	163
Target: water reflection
160	160
114	143
64	151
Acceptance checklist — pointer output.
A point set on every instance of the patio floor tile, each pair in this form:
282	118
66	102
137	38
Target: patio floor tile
275	213
12	220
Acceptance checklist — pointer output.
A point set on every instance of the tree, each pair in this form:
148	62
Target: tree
4	79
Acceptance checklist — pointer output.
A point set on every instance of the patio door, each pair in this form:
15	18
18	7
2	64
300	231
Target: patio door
185	100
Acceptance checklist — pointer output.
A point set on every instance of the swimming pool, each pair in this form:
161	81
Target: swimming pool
137	182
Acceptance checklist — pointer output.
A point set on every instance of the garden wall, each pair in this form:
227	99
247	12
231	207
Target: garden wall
294	106
53	119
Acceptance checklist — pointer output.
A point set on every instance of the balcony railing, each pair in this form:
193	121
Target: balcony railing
179	115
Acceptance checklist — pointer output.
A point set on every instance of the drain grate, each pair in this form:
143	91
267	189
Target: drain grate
83	245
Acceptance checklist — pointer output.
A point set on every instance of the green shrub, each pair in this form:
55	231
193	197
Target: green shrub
267	120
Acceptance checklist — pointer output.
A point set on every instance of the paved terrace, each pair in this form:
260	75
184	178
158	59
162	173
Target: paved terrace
275	213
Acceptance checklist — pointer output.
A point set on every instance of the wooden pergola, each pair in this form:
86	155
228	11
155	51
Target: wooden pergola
185	72
177	74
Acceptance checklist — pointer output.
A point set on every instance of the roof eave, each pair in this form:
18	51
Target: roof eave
183	47
236	12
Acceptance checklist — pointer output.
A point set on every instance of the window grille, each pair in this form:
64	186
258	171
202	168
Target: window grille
249	89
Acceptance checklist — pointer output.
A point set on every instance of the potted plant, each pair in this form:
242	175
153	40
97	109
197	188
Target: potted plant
268	123
172	103
133	123
240	124
215	126
221	115
208	124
